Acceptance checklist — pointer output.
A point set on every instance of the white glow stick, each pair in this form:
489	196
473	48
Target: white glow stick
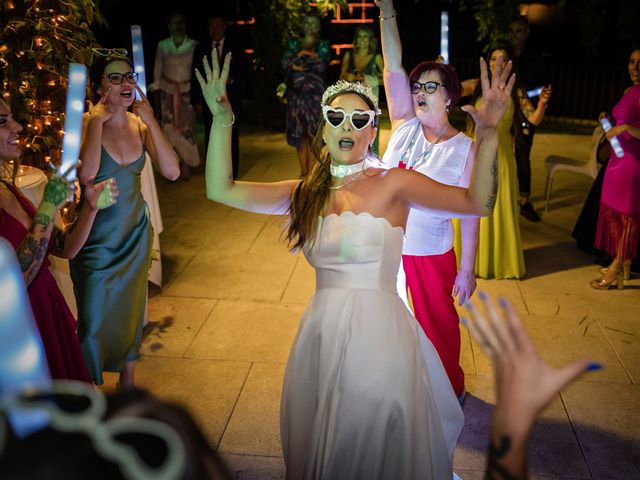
615	143
535	92
444	36
73	119
138	58
23	363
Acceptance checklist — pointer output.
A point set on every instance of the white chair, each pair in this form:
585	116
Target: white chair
556	163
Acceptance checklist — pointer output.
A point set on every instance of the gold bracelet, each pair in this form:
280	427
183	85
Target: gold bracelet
233	120
393	15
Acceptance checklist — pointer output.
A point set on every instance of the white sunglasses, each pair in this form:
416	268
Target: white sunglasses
77	407
359	119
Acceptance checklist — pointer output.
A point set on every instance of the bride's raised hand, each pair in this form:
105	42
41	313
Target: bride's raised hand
495	94
214	85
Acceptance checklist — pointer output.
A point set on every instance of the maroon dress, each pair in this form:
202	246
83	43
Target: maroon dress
54	319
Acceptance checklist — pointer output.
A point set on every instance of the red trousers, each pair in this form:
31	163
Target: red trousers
430	284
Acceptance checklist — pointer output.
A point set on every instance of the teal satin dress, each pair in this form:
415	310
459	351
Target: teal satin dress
110	274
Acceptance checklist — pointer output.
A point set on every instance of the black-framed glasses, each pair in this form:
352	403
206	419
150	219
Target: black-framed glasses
75	407
117	78
359	118
427	87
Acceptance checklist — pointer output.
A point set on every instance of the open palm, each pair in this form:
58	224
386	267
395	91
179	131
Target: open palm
214	84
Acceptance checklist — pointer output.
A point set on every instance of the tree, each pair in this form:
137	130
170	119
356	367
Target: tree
39	40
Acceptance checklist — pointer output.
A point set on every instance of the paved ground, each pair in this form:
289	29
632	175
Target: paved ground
220	330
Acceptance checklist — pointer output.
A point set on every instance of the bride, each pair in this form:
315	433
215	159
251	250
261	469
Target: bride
365	395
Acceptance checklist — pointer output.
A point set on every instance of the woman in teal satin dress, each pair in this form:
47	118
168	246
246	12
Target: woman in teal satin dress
110	272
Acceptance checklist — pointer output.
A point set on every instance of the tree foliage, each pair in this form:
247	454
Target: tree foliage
38	41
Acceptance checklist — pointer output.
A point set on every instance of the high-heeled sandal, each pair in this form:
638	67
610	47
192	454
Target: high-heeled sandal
626	270
602	284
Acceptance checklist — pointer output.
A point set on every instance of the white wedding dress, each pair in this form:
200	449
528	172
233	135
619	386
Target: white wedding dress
365	395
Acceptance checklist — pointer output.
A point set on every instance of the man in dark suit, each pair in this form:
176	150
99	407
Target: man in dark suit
217	26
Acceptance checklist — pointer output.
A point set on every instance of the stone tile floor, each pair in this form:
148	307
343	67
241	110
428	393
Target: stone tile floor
220	330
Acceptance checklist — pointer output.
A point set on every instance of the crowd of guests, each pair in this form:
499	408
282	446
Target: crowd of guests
345	412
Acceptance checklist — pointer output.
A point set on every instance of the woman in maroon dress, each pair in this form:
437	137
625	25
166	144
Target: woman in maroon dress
33	235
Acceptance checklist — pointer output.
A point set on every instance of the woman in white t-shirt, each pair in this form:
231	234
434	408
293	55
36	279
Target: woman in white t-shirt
422	139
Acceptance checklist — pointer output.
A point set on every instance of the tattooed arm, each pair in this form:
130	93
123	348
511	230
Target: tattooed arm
32	251
525	384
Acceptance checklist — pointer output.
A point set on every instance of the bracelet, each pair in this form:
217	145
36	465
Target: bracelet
233	120
393	15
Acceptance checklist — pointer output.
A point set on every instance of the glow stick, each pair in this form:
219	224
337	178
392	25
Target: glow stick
138	58
535	92
444	36
22	360
615	143
73	119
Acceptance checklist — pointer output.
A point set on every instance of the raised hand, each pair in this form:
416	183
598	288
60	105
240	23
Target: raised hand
525	384
101	109
545	95
57	192
214	86
142	108
102	195
495	94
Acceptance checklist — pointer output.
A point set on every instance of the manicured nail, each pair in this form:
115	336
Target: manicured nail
502	302
594	366
482	296
468	305
464	321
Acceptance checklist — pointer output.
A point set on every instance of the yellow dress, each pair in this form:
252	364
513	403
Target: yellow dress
499	245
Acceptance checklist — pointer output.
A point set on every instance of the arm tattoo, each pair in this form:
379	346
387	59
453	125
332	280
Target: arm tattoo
495	471
32	250
491	203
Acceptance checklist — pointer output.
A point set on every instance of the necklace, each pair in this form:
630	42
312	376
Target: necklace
341	171
338	187
424	156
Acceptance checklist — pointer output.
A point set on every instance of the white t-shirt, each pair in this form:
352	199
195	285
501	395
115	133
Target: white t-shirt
430	232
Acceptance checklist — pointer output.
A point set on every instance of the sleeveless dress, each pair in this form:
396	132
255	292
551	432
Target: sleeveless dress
365	395
110	273
304	90
500	252
618	225
55	321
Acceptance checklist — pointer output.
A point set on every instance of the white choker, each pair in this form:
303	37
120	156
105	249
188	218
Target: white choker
341	171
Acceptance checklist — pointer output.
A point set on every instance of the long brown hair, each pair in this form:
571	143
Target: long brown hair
310	196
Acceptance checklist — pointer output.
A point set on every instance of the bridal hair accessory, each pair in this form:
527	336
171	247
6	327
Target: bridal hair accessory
342	86
341	171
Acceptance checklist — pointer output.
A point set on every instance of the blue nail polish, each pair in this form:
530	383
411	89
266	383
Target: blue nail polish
594	366
502	302
463	321
482	296
468	305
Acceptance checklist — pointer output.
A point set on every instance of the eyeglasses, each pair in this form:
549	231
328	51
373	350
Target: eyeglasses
118	78
359	119
428	87
77	407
